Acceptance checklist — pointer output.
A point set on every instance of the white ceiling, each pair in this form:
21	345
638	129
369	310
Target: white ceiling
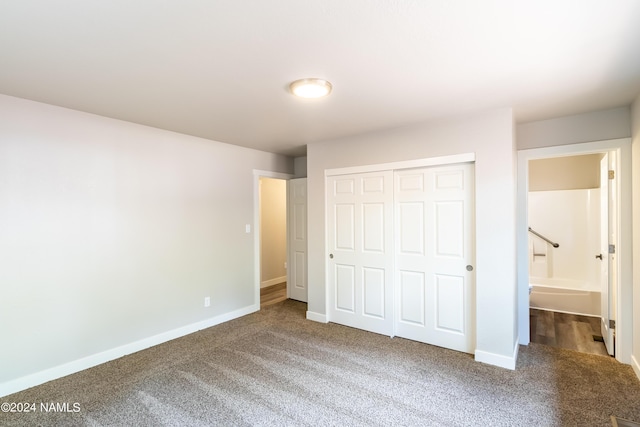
219	69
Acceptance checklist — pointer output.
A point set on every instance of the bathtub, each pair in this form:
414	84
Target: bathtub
564	295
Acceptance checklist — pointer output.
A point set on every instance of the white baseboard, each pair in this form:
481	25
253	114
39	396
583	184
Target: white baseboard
32	380
317	317
635	364
507	362
272	282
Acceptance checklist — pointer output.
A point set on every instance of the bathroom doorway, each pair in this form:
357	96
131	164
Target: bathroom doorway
569	276
559	204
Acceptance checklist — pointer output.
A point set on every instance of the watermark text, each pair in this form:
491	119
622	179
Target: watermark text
52	407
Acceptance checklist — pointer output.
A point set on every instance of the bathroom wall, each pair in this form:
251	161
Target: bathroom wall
565	173
570	218
564	206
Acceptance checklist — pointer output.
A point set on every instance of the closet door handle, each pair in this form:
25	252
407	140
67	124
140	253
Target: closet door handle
599	256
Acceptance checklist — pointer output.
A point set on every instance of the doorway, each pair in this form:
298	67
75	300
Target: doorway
569	279
256	229
539	259
286	275
273	240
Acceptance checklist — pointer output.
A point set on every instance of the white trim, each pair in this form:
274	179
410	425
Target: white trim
273	281
317	317
269	174
624	290
507	362
257	174
594	147
406	164
635	364
32	380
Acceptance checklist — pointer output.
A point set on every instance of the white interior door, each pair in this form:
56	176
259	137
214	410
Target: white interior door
434	281
605	258
360	210
297	241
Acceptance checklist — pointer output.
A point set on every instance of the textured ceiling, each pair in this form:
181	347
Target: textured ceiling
219	69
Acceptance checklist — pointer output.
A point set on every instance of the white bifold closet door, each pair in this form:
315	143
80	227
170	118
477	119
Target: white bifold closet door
401	253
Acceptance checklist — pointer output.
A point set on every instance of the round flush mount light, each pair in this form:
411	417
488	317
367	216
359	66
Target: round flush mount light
310	88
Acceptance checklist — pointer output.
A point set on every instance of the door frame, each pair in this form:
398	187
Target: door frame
257	174
608	268
406	164
624	285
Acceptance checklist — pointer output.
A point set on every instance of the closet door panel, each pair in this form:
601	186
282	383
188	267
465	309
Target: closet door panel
445	194
360	258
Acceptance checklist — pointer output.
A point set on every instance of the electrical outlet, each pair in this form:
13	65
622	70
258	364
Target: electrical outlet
207	301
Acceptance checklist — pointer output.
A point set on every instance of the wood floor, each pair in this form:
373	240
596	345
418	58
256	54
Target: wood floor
273	294
568	331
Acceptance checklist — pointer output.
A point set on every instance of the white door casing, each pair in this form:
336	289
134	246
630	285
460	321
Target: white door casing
604	256
613	240
297	239
360	250
434	277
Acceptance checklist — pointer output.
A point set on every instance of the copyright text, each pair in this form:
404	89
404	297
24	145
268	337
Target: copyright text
53	407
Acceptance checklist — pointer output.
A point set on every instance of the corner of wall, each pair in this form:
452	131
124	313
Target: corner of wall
499	360
300	167
635	188
635	364
317	317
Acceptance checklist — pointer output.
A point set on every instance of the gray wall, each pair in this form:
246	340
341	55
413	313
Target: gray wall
490	136
595	126
112	233
300	167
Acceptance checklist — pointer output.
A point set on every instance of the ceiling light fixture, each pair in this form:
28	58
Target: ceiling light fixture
310	88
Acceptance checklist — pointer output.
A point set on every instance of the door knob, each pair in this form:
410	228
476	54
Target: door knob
331	256
599	256
469	267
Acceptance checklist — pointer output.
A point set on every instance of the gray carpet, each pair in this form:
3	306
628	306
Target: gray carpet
276	368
